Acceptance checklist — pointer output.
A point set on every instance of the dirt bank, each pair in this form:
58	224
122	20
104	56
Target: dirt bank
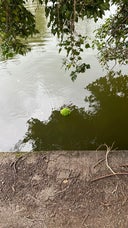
64	189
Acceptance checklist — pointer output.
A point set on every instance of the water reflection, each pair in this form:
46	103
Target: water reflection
105	122
109	101
41	24
36	84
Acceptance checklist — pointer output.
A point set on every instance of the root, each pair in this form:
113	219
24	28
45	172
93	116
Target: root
106	158
109	149
14	164
108	175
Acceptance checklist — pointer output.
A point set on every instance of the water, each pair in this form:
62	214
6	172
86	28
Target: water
34	87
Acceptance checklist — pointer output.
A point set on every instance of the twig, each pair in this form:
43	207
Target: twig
101	160
115	189
125	165
14	164
106	158
85	218
108	175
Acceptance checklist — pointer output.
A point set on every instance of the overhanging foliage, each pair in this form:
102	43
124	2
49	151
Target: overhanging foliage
17	24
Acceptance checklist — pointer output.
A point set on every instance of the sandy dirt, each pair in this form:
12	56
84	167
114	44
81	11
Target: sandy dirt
64	189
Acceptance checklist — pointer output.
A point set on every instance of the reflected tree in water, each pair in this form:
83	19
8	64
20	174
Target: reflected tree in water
109	100
60	132
106	120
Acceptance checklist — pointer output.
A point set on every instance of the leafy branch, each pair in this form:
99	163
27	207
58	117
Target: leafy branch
111	38
17	23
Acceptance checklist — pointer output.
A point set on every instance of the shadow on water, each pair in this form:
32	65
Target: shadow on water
106	121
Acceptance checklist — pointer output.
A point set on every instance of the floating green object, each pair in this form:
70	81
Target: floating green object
65	111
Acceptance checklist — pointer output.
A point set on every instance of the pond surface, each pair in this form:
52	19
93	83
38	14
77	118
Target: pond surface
33	89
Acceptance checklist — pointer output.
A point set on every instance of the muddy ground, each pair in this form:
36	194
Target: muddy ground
64	189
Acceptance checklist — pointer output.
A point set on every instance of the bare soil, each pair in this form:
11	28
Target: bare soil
68	189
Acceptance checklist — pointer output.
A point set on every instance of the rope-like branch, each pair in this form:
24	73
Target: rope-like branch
109	149
108	175
106	158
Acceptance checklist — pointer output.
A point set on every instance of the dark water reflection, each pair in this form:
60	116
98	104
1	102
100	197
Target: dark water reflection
106	121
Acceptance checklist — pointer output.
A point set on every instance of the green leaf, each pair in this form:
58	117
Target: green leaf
87	45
